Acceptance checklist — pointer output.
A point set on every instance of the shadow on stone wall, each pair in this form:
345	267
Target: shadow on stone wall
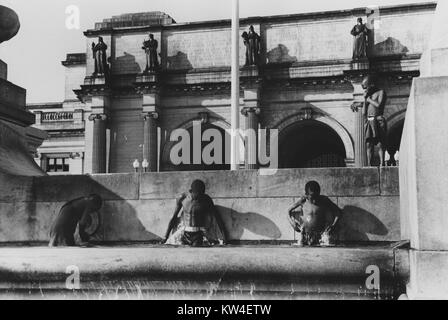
237	222
390	46
356	224
280	54
122	224
179	61
126	62
117	212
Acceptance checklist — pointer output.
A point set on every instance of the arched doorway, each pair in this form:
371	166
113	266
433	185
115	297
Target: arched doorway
223	164
311	144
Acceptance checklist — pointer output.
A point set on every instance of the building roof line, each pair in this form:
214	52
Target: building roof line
259	19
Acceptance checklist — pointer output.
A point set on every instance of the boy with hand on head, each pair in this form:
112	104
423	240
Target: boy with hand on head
317	217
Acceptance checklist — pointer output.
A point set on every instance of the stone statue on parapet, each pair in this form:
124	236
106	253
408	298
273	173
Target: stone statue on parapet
100	56
360	32
150	46
9	24
252	41
375	100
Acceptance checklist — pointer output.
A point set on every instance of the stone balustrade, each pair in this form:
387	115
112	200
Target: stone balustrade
57	116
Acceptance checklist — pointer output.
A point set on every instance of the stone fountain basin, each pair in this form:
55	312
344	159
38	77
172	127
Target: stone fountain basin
260	270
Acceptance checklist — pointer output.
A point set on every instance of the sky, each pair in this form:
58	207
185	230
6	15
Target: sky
34	56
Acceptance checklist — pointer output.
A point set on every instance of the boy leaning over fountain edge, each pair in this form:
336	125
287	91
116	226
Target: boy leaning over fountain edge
315	217
194	209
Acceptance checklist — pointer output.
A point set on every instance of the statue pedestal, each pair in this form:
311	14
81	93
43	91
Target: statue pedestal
95	80
424	170
18	140
249	71
423	185
359	65
147	77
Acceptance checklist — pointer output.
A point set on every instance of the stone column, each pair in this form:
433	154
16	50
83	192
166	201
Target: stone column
360	140
98	143
251	84
44	162
359	121
235	90
150	139
251	126
147	85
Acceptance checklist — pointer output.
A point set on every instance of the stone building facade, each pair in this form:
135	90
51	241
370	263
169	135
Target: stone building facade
304	86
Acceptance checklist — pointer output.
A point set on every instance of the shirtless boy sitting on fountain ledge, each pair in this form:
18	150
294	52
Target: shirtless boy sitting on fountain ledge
316	218
196	209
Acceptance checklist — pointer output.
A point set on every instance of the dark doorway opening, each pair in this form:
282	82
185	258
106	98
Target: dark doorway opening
311	144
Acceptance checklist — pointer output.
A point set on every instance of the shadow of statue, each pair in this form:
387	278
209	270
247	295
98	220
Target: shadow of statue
390	46
237	222
280	54
126	62
356	224
179	62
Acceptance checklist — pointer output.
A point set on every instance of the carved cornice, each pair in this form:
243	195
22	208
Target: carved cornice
92	90
404	77
147	83
147	88
93	86
275	84
163	85
210	88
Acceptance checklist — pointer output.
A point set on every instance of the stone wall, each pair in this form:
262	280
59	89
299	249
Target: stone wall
74	77
253	207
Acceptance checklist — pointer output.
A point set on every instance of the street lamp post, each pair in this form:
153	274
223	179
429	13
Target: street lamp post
136	165
145	165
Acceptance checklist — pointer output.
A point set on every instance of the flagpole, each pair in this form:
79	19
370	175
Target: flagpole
235	78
